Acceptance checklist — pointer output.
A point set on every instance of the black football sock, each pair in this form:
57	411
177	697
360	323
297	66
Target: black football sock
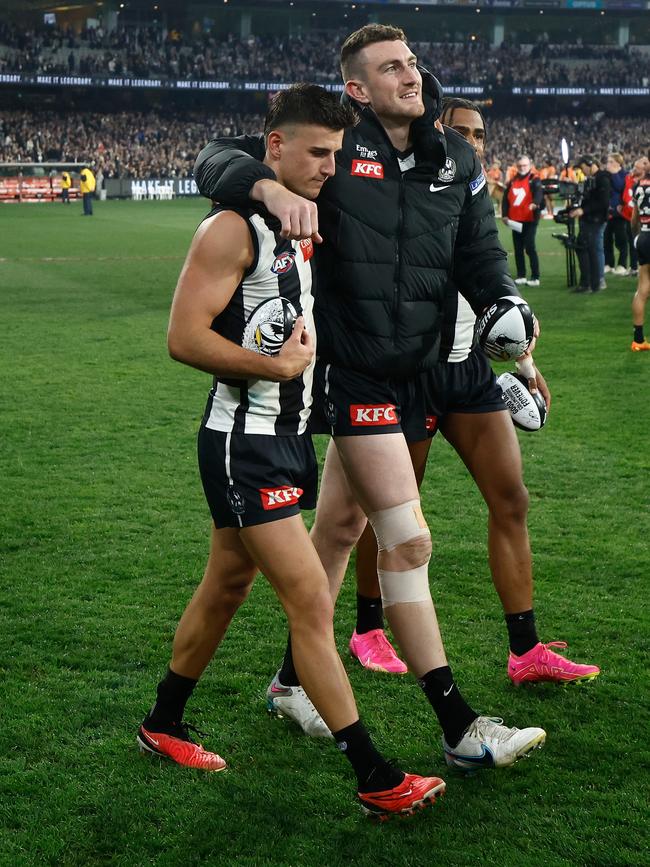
521	631
453	712
370	614
288	675
374	773
638	334
173	693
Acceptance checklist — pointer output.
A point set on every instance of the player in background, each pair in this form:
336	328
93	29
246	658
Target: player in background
548	172
256	458
641	230
626	209
616	226
407	205
523	201
495	184
464	402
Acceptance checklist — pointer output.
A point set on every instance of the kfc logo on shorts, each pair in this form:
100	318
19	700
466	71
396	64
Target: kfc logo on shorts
367	169
431	423
361	415
283	263
307	249
277	498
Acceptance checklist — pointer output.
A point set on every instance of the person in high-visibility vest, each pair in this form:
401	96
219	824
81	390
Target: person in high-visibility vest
66	183
87	189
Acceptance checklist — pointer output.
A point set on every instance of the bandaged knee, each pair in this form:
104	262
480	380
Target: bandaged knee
412	585
393	527
398	524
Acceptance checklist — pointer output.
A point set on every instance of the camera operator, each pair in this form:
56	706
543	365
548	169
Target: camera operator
523	201
592	213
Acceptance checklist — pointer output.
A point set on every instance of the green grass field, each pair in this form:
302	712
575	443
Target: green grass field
104	535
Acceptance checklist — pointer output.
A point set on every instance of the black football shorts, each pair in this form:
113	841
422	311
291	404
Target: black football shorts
350	403
468	386
643	247
251	479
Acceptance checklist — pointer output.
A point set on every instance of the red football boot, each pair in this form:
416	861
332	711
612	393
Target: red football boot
179	747
413	793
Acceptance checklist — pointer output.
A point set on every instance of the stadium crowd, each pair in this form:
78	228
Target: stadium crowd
540	137
154	53
146	145
124	145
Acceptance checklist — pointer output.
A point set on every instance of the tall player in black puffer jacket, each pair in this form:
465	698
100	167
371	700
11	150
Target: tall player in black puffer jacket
407	207
390	237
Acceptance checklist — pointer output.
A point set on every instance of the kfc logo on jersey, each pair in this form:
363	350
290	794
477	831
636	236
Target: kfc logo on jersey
283	263
366	153
361	415
367	169
277	498
307	249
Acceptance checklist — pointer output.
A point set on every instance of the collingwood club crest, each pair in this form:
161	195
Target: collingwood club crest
448	172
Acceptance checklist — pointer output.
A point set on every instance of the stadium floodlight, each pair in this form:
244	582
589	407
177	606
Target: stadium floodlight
564	149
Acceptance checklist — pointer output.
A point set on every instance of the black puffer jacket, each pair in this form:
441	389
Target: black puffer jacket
391	239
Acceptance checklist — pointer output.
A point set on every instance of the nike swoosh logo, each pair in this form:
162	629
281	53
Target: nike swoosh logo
446	692
154	742
274	688
435	189
391	795
478	760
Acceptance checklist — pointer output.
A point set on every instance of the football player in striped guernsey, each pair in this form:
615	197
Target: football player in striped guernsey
256	458
464	402
641	231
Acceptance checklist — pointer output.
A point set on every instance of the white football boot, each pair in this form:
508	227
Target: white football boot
293	703
487	743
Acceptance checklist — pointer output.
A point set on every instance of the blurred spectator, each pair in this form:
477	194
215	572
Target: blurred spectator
616	228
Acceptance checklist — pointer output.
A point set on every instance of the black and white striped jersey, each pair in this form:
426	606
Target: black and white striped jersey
641	197
458	322
281	268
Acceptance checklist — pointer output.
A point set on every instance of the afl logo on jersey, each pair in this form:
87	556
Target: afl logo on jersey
283	263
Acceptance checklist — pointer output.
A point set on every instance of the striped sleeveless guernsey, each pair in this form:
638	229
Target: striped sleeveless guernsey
254	406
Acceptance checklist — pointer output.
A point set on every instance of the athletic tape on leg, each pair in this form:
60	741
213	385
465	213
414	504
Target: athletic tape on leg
398	524
409	586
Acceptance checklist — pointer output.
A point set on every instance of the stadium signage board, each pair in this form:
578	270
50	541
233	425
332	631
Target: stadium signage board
273	86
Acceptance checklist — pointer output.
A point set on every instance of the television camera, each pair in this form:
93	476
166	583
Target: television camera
571	192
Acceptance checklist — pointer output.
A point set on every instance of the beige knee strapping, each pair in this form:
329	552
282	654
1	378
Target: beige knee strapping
411	585
394	527
398	524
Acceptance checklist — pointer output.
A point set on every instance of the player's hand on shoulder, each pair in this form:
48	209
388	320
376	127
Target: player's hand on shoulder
298	216
296	354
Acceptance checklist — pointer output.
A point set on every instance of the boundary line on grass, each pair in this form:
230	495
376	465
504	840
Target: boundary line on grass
4	259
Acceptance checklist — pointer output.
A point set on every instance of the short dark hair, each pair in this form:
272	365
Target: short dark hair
308	104
367	35
451	103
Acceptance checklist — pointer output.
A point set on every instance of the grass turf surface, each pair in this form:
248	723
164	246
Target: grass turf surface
104	534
